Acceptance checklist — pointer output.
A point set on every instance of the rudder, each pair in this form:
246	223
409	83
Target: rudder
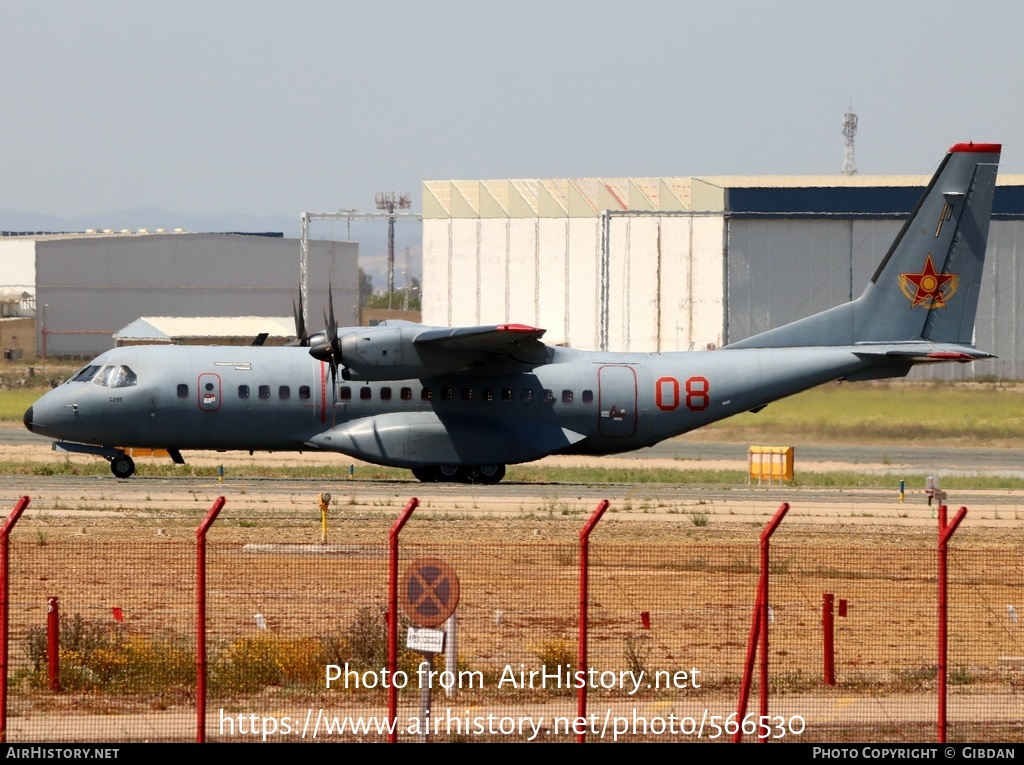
931	278
927	286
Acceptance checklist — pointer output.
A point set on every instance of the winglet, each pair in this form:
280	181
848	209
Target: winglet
525	328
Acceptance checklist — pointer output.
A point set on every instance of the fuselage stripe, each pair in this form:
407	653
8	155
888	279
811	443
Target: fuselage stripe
323	392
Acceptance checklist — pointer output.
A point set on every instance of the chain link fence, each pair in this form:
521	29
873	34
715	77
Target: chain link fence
668	634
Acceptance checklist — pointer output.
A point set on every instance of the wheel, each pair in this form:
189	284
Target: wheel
488	474
427	474
123	466
450	473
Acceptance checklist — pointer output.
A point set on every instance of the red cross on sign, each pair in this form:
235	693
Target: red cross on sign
429	591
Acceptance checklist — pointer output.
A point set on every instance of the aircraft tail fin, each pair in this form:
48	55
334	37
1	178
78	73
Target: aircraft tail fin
927	286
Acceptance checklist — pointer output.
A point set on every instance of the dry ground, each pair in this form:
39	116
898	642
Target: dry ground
686	556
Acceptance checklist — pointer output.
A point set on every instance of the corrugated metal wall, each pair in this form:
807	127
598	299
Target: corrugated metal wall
780	270
658	280
92	287
664	277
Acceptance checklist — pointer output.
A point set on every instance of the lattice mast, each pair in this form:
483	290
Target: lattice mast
387	201
849	131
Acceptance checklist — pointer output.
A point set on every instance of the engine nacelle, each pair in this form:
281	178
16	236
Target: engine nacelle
389	353
376	347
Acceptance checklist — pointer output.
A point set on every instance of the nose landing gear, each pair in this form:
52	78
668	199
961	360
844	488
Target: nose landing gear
122	466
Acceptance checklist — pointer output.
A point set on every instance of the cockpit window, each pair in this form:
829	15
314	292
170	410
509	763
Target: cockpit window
124	378
86	374
116	377
104	375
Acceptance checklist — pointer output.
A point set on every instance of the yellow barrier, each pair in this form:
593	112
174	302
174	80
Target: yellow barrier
770	463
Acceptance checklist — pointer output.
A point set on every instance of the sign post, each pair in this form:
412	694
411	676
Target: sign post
429	593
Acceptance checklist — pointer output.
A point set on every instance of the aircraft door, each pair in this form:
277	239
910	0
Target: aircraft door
209	392
617	401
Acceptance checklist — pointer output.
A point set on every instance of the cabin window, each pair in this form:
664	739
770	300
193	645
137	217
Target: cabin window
182	390
467	394
547	396
385	394
264	392
284	392
86	374
406	394
447	394
487	394
588	397
304	392
243	391
365	393
526	395
506	394
426	394
344	393
566	396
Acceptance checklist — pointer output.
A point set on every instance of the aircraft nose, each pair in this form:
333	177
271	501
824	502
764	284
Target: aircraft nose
28	418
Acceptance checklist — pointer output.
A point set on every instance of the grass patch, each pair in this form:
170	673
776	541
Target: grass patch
532	473
13	403
980	412
699	518
522	474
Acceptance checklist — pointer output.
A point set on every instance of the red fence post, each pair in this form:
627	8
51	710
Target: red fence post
759	629
53	642
5	538
945	532
204	527
393	616
828	628
581	655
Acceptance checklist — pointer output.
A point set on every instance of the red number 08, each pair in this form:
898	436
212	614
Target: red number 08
698	394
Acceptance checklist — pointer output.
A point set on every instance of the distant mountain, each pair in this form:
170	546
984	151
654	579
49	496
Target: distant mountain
148	217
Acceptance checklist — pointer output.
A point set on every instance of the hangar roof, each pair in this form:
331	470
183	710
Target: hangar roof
123	233
812	195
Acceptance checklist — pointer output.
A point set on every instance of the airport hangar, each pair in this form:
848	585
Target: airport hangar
669	264
87	286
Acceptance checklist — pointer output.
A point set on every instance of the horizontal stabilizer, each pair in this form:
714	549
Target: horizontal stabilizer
923	353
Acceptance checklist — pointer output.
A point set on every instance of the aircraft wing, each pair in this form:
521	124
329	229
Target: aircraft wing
497	338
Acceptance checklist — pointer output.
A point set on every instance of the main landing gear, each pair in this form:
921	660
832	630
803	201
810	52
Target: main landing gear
123	466
485	474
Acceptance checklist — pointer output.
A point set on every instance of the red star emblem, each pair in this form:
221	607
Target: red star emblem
929	288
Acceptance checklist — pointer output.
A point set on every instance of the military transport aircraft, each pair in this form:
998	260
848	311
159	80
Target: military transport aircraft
459	404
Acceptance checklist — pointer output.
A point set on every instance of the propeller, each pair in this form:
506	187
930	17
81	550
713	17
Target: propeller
301	336
329	349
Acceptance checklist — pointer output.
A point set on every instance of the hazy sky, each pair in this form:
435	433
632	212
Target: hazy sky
274	108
